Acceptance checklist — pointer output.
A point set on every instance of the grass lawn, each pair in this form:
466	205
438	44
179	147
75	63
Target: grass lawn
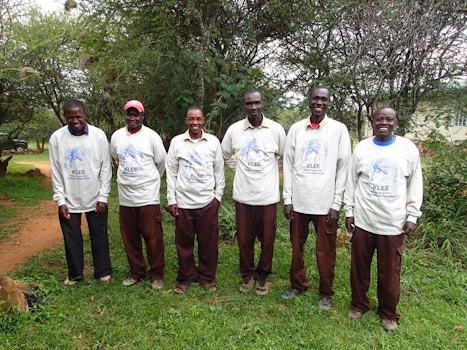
97	316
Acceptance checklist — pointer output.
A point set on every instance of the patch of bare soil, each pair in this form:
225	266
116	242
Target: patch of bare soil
38	229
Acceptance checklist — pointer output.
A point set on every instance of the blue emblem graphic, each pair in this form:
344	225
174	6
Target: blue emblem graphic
252	146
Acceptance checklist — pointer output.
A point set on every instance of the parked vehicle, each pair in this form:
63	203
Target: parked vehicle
13	144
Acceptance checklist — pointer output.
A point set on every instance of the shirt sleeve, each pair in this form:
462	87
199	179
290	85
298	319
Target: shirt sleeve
105	174
289	151
159	154
219	173
415	189
171	173
227	151
57	179
351	184
343	160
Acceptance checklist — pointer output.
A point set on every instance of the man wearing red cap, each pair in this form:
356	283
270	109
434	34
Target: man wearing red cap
141	162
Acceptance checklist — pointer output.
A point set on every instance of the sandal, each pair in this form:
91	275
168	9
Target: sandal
180	288
106	279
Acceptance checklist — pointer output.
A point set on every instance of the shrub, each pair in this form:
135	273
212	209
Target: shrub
443	222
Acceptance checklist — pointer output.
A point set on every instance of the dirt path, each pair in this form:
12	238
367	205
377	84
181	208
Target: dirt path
38	229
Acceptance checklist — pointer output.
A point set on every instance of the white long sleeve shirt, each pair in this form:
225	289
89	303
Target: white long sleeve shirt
256	152
385	185
315	166
141	164
81	168
194	171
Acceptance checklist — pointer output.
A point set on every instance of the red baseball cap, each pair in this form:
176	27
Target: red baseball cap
134	104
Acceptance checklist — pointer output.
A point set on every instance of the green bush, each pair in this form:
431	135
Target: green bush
443	223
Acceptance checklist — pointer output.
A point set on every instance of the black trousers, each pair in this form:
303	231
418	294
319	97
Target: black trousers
71	229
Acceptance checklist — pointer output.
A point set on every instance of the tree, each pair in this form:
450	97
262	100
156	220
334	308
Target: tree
386	52
177	53
46	49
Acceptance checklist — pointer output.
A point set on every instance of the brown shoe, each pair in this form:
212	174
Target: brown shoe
157	284
247	284
262	286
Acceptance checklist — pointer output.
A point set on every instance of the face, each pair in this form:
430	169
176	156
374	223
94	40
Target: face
318	102
253	104
194	120
134	119
383	123
75	118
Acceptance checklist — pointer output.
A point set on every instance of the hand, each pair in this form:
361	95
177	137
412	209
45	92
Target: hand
288	211
216	202
350	224
332	217
408	228
100	207
173	210
63	212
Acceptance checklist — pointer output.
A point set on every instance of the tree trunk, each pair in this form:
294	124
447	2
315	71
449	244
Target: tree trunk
4	165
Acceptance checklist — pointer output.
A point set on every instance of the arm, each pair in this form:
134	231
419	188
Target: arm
171	178
159	154
343	161
105	174
219	176
57	179
281	147
349	194
414	195
227	150
289	151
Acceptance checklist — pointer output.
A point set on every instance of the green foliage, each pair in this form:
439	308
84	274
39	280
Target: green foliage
444	219
227	222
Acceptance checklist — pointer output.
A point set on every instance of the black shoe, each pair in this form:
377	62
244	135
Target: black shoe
292	293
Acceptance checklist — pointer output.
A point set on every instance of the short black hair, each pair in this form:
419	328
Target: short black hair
73	103
384	107
194	108
252	91
318	87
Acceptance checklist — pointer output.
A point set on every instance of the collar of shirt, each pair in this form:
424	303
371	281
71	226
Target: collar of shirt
85	130
316	126
186	135
264	123
133	132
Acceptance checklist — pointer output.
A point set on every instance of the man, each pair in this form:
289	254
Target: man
383	197
256	142
141	162
195	185
81	174
316	158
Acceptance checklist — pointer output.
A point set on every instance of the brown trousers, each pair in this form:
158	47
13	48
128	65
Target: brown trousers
389	259
325	252
256	221
146	223
203	222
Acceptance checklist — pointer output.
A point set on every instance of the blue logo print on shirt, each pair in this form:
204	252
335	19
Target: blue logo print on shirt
382	175
129	160
77	160
313	153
